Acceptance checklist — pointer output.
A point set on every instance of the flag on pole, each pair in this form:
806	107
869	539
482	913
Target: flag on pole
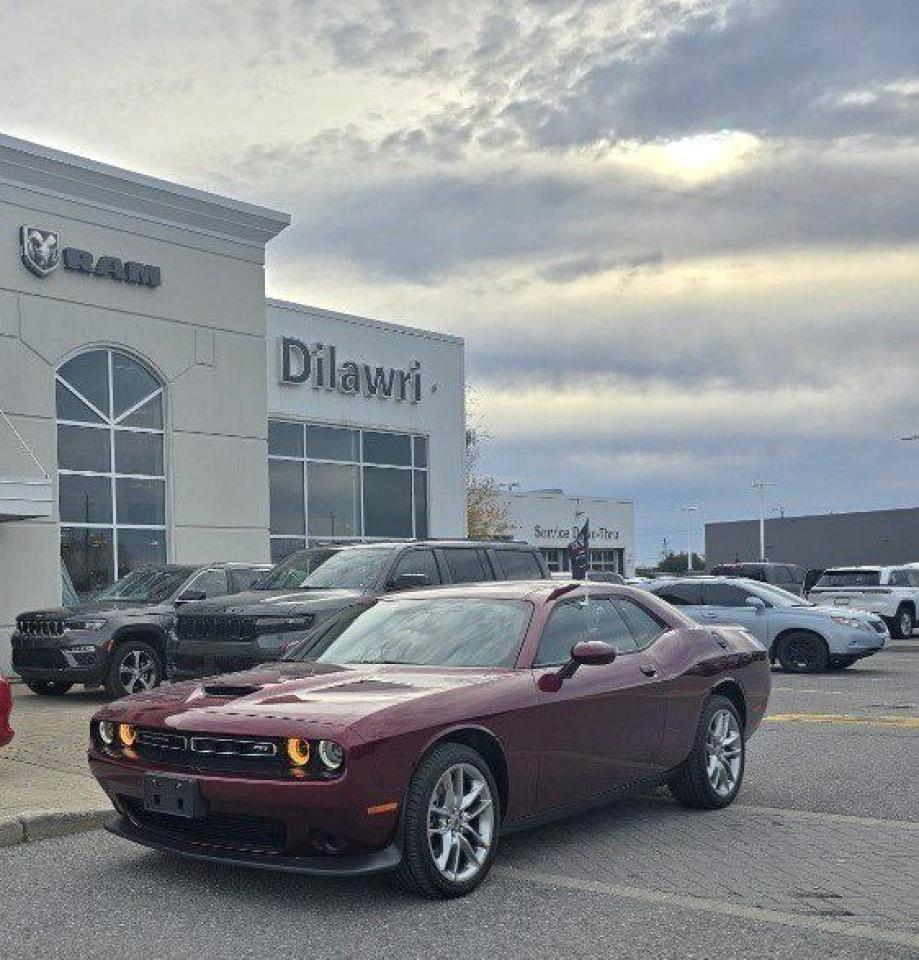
579	552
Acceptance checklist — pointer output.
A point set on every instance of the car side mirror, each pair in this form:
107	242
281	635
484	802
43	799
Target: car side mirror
410	581
587	653
757	603
191	595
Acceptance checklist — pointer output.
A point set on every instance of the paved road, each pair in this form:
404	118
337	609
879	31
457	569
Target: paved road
819	858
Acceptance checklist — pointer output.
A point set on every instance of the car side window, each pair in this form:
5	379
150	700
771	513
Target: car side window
573	621
518	565
899	578
417	562
212	583
913	576
242	578
645	627
466	566
681	594
723	595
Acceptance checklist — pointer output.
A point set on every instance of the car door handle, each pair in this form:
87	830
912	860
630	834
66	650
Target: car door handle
648	670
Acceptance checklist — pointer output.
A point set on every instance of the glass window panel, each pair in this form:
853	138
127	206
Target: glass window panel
149	415
518	565
85	499
421	504
141	501
387	502
331	443
88	558
645	627
333	496
136	548
130	383
421	451
138	453
394	448
417	563
466	565
285	439
88	375
212	583
286	496
83	448
282	547
70	407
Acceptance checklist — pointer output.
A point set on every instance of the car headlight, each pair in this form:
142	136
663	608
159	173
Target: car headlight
84	624
849	621
331	754
298	751
127	734
106	731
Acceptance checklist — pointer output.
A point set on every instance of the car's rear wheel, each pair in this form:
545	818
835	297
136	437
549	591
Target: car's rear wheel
901	627
802	652
711	775
135	667
450	823
48	688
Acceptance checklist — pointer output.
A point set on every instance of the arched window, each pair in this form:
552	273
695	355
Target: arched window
111	470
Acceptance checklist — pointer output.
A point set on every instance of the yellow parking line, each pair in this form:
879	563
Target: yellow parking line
903	723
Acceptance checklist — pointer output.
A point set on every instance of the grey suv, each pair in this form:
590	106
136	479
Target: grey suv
310	586
803	637
117	640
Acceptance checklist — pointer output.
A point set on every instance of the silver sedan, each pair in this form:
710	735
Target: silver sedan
802	636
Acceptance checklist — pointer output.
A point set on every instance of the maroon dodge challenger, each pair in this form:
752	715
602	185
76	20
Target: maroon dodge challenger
411	735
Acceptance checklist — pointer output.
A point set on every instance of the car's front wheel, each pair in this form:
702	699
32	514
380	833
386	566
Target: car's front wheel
901	627
450	823
803	652
48	688
711	775
135	667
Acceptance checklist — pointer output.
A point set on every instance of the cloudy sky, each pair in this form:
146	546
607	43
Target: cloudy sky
681	237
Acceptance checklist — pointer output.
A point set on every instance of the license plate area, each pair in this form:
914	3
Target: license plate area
173	796
841	601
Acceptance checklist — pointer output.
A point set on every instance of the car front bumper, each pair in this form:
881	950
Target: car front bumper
75	657
855	643
346	865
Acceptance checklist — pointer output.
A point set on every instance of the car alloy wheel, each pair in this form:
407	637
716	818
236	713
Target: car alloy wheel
905	623
803	652
723	748
461	823
137	671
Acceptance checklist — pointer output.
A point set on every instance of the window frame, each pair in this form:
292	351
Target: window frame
114	425
413	468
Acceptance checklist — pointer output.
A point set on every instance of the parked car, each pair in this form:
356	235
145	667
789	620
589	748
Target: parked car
788	576
804	638
6	708
891	592
118	639
235	633
430	725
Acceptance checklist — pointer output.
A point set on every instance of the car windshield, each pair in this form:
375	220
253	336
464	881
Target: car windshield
779	597
355	568
850	578
146	585
454	632
292	571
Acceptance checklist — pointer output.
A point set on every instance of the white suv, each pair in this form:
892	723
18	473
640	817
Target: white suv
891	592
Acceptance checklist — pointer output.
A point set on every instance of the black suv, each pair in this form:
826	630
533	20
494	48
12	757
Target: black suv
788	576
118	639
307	588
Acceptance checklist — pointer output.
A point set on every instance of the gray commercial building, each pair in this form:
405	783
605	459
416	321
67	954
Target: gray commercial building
821	540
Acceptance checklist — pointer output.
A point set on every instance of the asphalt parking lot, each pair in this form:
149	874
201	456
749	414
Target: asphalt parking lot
819	857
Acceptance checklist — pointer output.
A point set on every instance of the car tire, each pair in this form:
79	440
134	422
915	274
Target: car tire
803	652
427	855
840	664
902	625
710	777
135	667
49	688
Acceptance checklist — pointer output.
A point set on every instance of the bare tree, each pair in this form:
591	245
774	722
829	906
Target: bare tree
486	512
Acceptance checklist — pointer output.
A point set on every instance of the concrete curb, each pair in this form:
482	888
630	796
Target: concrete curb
46	824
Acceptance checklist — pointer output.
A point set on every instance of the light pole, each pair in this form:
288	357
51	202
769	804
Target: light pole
689	511
762	485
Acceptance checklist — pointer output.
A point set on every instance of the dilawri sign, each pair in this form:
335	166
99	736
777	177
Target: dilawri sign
41	253
320	365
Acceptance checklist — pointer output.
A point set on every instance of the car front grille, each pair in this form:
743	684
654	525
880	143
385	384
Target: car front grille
38	659
39	626
209	627
212	753
216	829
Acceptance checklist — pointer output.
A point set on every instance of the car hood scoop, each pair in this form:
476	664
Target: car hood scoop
228	690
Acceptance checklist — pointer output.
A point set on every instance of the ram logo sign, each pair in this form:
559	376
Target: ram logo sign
40	252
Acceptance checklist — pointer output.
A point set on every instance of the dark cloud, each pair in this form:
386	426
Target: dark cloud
575	268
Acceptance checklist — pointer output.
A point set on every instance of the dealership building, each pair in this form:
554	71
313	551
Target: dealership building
551	519
155	407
